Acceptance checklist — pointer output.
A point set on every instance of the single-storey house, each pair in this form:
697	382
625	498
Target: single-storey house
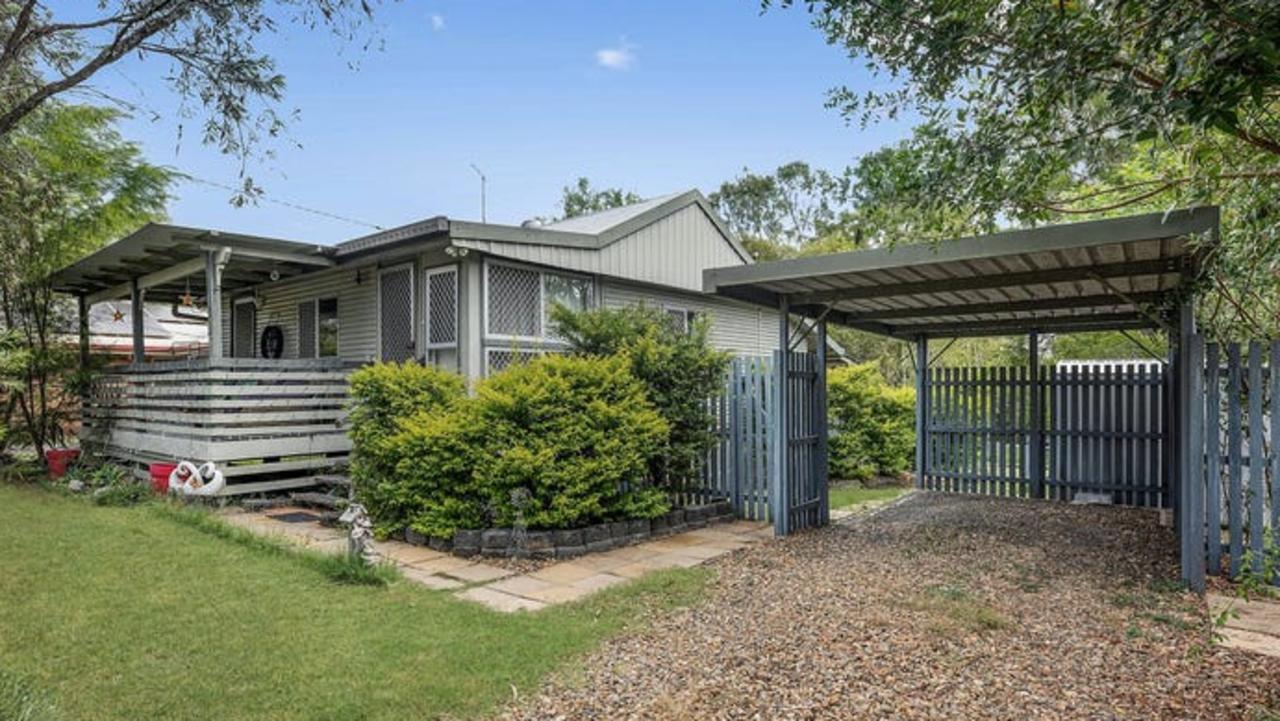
472	297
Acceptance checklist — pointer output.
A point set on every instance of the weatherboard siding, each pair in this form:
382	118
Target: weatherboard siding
739	328
671	251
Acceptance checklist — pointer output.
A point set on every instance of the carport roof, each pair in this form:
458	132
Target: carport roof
1097	275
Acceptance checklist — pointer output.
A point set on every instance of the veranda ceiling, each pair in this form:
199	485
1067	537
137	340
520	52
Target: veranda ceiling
1097	275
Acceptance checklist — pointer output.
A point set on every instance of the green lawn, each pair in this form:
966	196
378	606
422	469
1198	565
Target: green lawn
127	614
847	495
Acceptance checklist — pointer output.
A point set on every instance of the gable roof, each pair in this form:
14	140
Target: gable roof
603	220
600	230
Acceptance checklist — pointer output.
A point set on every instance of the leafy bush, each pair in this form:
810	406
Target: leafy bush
383	395
872	424
571	436
680	371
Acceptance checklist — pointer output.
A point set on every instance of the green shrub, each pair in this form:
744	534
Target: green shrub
127	493
571	435
680	371
383	395
872	424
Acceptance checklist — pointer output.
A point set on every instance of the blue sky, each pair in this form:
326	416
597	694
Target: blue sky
651	96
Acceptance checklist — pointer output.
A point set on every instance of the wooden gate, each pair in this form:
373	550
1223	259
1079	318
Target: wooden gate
1231	516
1053	433
762	476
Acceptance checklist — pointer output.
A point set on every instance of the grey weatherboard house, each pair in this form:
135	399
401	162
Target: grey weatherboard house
289	320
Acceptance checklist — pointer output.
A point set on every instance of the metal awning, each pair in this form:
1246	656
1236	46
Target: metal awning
168	261
1098	275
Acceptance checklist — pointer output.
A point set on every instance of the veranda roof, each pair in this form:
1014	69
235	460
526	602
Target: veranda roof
169	261
1097	275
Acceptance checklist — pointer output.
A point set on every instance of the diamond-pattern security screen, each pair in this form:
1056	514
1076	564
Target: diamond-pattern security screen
501	358
245	331
514	302
395	288
442	308
307	329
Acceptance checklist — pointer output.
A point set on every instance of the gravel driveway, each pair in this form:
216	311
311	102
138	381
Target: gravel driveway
941	607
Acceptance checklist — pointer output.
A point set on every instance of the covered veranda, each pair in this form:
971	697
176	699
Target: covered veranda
180	265
1130	273
268	423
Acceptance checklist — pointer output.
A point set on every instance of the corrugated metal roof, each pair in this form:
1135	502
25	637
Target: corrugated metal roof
1096	275
597	223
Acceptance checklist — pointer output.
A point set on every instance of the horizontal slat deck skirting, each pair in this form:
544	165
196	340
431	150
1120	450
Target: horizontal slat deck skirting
260	420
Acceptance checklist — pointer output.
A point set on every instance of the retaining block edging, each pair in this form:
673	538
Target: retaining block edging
568	543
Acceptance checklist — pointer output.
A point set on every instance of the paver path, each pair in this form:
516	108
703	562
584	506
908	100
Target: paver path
941	607
1252	625
506	590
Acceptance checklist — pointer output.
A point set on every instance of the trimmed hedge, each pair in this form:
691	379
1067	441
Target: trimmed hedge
872	424
560	442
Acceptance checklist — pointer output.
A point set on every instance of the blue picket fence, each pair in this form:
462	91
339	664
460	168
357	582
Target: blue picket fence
1235	436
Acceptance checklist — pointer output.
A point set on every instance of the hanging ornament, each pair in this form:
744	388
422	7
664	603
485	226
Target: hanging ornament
187	300
117	316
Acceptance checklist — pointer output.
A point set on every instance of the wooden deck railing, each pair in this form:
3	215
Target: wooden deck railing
267	424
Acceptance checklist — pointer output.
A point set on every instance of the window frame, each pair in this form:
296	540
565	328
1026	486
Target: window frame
427	273
544	337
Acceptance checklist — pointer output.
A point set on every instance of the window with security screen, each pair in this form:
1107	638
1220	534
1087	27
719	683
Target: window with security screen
442	307
514	302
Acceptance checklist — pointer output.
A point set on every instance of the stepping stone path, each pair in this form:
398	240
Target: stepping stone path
503	589
1251	625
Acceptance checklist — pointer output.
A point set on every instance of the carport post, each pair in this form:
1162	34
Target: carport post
820	422
1190	454
922	407
1036	455
780	478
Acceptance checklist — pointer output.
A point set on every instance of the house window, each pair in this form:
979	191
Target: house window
519	300
442	307
681	319
327	325
515	302
571	292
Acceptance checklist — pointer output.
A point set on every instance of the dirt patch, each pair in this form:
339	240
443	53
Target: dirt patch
941	607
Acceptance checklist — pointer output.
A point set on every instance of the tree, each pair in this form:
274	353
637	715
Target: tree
211	46
582	199
786	209
70	185
1024	103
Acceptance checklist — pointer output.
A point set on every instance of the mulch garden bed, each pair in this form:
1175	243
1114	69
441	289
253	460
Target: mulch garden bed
940	607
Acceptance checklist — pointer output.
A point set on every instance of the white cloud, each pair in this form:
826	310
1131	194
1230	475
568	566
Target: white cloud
619	58
437	22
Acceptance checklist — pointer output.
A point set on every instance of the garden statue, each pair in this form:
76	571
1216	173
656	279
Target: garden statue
360	538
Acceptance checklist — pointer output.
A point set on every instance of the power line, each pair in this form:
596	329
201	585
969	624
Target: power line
284	203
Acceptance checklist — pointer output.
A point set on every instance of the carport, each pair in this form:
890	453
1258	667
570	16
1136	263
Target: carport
1027	432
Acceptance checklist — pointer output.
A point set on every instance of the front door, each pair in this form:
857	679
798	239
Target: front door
244	329
395	313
